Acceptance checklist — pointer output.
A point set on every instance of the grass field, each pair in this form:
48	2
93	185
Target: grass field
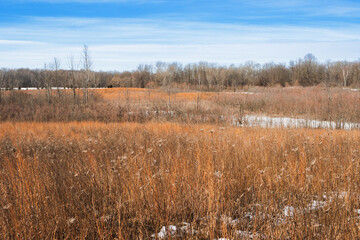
140	105
174	180
156	164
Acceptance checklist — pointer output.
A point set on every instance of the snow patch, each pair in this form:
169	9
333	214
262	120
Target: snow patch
289	211
174	231
247	235
287	122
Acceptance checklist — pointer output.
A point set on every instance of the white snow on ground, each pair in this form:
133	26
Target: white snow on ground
166	232
237	93
244	235
174	231
147	113
247	235
289	211
316	205
30	88
287	122
340	195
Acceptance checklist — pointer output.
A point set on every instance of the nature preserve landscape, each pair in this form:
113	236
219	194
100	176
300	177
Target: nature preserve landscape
179	120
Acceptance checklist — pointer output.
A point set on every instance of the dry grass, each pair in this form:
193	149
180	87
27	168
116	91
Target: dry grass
135	104
127	180
142	94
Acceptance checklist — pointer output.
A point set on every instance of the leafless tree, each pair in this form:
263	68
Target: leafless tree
163	78
73	66
87	73
345	70
55	66
2	83
47	83
161	73
142	75
213	73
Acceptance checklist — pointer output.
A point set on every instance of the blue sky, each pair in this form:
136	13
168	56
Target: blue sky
122	34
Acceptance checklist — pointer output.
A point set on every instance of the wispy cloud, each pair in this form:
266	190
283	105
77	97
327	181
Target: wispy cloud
341	11
127	57
306	8
17	42
119	44
115	30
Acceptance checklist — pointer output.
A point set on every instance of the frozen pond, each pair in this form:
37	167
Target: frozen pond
287	122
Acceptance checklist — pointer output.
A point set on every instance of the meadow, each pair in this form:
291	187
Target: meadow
338	105
133	165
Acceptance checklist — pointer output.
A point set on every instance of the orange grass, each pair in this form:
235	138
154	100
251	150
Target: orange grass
111	94
150	94
114	104
126	180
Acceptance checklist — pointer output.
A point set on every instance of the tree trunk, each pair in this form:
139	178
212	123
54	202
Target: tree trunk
74	92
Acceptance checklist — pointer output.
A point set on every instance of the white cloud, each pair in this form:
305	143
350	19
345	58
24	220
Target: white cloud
340	11
312	8
16	42
119	44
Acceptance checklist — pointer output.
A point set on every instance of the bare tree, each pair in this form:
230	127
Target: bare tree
309	70
2	82
160	73
72	79
164	78
142	75
47	82
169	76
55	66
188	75
345	70
214	75
87	76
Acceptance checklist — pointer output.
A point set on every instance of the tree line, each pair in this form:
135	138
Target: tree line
306	71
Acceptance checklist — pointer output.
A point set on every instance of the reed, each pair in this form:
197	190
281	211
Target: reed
99	180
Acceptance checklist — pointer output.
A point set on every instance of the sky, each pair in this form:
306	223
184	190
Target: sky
121	34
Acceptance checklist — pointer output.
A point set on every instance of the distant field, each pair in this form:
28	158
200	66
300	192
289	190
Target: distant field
336	105
132	180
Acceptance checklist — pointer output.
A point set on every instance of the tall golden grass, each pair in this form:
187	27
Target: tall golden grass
129	180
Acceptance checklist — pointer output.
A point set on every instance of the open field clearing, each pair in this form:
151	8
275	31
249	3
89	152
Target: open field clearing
169	180
315	107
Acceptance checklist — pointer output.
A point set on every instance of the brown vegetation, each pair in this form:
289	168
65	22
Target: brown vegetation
175	161
198	76
136	104
128	180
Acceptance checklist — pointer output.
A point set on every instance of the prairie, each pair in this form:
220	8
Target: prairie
172	180
337	105
159	164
